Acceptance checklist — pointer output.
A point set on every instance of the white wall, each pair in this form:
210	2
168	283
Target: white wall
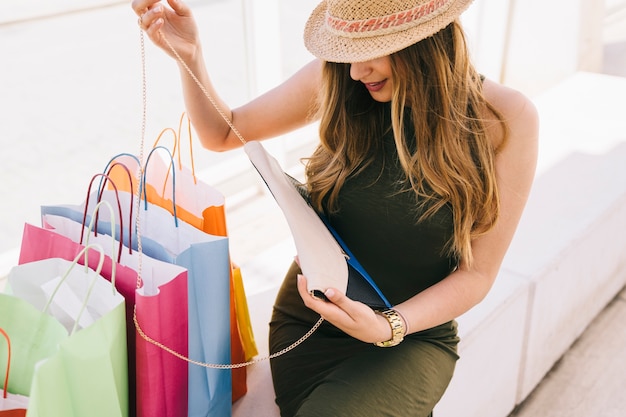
531	45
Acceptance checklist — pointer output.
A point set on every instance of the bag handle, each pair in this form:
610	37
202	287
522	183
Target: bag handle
84	251
145	171
177	140
96	214
175	147
130	215
180	126
6	375
142	192
12	412
90	228
109	167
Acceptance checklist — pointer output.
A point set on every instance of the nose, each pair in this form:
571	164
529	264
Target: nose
360	70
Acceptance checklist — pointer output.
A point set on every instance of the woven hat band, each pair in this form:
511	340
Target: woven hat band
382	25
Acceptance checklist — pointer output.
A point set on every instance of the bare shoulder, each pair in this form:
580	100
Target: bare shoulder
516	158
517	110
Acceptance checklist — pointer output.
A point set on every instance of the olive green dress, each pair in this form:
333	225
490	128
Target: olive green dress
334	375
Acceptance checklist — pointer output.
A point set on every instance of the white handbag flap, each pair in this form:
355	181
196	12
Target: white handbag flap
322	260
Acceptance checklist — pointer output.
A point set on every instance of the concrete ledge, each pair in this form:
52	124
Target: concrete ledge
571	248
492	334
259	401
570	244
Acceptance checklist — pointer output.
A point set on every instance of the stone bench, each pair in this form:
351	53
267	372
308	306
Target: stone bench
566	262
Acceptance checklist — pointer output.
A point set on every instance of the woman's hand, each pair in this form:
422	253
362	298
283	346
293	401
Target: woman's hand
176	23
353	317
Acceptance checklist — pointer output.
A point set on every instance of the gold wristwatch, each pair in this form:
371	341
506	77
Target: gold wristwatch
397	328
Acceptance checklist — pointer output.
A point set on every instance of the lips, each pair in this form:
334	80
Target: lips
377	86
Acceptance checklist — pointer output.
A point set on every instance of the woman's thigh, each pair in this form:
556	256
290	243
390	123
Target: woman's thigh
403	381
331	375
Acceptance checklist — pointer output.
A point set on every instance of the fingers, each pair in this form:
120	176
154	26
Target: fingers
142	6
354	318
331	304
152	17
179	7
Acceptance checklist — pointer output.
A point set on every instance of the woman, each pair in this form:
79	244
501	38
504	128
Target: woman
423	167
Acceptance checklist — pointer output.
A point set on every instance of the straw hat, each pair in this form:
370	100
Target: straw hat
359	30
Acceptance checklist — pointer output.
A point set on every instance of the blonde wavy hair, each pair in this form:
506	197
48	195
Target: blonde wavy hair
452	162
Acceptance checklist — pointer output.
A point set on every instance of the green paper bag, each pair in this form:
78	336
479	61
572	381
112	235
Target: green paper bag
34	337
88	375
78	313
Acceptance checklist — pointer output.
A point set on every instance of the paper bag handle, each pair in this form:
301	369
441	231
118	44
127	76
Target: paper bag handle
6	375
119	207
176	148
16	412
177	139
145	170
96	209
112	161
142	181
83	251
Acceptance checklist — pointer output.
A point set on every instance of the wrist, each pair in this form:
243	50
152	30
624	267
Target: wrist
397	325
404	320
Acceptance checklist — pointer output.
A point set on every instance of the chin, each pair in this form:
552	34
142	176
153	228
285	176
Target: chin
381	98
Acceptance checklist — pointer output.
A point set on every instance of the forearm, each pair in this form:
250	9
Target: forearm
445	301
208	123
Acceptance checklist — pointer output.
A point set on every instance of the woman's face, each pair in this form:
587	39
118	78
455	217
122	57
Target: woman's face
375	76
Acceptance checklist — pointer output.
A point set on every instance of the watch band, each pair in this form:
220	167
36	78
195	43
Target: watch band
397	328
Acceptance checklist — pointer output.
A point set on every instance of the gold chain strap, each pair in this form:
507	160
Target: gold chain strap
139	247
144	112
233	365
204	90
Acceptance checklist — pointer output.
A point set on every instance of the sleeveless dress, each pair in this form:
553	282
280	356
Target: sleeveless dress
332	374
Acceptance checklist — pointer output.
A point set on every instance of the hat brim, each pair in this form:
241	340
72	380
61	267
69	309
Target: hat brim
331	47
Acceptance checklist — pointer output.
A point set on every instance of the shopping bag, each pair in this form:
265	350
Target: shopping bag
160	304
176	188
87	373
243	315
201	204
243	346
34	337
11	405
206	258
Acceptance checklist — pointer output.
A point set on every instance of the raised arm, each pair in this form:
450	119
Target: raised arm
287	107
